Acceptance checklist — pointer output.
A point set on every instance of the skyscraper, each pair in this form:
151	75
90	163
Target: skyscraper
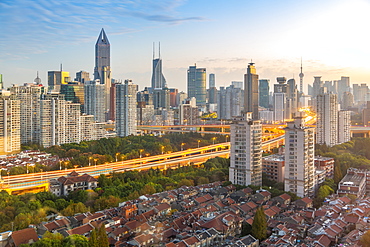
197	85
246	153
251	91
95	100
158	80
29	97
301	75
9	124
327	118
344	126
299	158
264	88
102	70
126	117
82	76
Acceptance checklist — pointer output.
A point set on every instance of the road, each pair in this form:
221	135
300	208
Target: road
164	161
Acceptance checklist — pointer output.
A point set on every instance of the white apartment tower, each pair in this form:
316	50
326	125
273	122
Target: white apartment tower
95	104
52	120
299	158
344	125
9	125
126	108
29	96
327	118
246	151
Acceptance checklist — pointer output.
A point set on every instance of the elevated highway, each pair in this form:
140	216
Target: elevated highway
34	182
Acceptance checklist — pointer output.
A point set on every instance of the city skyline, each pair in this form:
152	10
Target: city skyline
222	39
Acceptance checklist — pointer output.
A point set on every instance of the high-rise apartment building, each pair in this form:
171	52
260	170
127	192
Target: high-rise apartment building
327	118
344	126
102	70
10	136
316	86
29	96
197	85
158	80
188	112
299	158
246	151
229	102
95	100
126	113
347	100
251	91
72	123
293	97
52	119
264	90
343	86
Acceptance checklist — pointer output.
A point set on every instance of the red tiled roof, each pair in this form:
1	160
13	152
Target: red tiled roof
162	207
285	196
191	240
24	236
133	224
324	241
80	230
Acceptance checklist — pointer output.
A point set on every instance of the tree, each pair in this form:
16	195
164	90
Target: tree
365	239
337	173
259	225
93	240
102	237
75	241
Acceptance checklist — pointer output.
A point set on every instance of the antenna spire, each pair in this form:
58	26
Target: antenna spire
159	49
61	67
153	49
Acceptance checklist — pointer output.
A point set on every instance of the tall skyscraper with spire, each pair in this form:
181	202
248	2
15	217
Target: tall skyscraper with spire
102	70
251	91
301	75
158	80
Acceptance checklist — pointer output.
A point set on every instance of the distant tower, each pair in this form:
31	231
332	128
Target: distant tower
251	91
197	85
158	80
102	69
37	79
301	75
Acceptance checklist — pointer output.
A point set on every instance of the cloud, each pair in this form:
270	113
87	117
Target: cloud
30	26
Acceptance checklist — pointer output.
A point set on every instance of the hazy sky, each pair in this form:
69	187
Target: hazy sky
332	36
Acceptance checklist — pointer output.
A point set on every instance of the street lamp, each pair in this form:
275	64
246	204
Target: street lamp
162	147
90	158
117	156
141	150
95	161
182	146
27	167
8	177
198	143
60	165
213	140
227	136
41	173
